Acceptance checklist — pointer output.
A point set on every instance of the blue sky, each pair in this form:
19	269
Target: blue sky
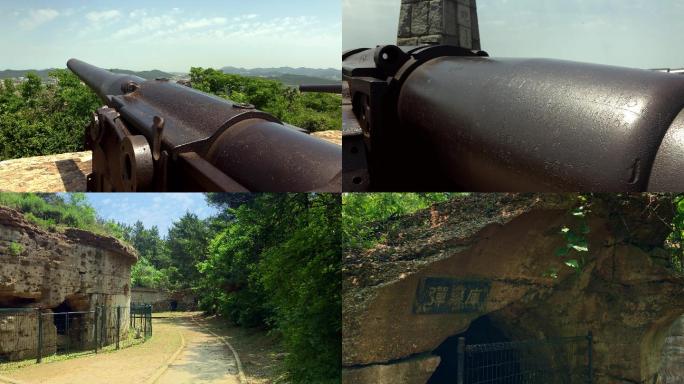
633	33
170	35
160	209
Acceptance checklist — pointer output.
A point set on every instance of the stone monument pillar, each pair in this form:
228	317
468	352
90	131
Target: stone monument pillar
451	22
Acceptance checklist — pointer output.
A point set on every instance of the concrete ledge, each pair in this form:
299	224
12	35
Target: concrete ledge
52	173
416	370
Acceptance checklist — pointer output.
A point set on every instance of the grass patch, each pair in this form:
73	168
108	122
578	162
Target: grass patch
127	342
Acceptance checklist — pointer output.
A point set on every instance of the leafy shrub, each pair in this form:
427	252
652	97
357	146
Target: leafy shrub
311	111
277	263
16	249
38	119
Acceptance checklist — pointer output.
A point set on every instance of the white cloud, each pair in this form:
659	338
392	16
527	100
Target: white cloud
245	17
37	17
101	16
137	13
202	23
172	27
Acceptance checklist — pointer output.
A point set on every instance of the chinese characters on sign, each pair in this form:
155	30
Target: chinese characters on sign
443	295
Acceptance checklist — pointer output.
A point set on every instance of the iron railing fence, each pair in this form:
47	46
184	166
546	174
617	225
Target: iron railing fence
566	360
28	334
141	319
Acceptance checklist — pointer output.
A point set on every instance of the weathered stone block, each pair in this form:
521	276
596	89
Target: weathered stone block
405	20
430	39
450	17
475	28
436	18
463	15
465	39
407	41
419	18
441	18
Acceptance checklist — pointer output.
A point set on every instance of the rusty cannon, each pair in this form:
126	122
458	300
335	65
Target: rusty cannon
156	135
446	118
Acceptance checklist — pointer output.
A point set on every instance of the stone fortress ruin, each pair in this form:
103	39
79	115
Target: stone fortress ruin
488	255
163	300
51	272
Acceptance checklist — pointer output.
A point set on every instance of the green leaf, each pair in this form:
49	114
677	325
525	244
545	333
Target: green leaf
562	251
579	212
551	272
580	248
572	263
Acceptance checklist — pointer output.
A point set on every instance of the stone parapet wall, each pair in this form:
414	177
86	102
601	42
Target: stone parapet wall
162	300
452	22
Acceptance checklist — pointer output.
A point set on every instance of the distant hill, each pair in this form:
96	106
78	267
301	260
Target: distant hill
43	73
286	75
148	75
11	73
295	80
320	73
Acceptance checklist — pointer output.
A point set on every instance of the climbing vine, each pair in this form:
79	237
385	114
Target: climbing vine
676	238
575	250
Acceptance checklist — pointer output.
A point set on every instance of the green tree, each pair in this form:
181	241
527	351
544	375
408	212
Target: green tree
187	242
311	111
39	119
276	263
360	210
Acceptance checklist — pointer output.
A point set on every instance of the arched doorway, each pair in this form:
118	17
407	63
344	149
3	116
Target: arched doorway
490	356
480	331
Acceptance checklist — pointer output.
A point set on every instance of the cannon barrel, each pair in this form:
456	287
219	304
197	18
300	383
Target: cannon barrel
101	81
208	142
325	88
526	124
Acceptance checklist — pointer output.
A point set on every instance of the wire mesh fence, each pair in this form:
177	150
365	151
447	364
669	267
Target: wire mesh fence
565	360
30	336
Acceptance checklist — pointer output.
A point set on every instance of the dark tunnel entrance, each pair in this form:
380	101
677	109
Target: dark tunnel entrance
59	318
70	327
481	331
492	357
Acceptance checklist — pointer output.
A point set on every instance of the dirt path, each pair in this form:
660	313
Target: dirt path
203	359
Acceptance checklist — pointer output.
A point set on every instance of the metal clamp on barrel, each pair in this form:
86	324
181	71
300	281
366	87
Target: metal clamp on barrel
374	77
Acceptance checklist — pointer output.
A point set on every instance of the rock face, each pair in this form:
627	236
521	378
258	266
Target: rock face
71	271
164	300
451	22
486	256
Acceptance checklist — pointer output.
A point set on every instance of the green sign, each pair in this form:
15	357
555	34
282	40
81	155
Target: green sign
444	295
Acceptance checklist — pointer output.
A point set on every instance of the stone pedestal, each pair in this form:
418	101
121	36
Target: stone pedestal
451	22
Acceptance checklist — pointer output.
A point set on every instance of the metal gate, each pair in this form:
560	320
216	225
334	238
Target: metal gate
566	360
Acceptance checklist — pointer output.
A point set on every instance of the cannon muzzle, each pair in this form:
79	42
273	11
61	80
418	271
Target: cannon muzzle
101	81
